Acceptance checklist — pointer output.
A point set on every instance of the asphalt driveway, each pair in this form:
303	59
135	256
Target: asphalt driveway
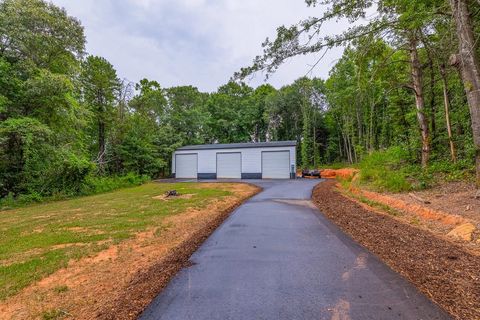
277	257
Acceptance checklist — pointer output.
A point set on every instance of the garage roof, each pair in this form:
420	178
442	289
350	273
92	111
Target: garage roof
240	145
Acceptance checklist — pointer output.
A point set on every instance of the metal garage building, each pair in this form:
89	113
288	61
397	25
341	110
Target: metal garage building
261	160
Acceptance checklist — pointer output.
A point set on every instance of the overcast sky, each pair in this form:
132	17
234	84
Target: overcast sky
193	42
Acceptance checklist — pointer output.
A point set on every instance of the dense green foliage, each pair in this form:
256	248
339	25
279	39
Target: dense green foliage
68	123
394	170
387	170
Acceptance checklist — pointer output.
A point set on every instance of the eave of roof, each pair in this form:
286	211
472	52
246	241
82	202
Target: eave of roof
240	145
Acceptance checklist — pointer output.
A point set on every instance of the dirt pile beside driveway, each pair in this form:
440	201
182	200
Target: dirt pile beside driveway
441	269
344	173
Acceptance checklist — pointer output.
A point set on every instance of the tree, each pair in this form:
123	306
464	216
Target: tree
151	100
228	110
100	86
186	114
468	62
41	121
40	32
256	113
23	146
294	113
417	87
446	103
138	151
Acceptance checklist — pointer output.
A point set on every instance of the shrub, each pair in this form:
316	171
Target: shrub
90	185
463	169
386	170
31	163
24	149
97	184
393	170
64	174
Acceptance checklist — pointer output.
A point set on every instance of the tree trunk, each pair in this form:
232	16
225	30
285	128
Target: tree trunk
101	146
417	79
469	66
446	102
433	109
350	154
371	142
340	151
316	155
359	122
347	148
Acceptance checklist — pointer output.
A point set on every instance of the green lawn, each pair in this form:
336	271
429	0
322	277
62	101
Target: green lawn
37	240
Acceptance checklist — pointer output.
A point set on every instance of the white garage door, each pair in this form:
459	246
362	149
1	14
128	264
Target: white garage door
229	165
186	166
276	165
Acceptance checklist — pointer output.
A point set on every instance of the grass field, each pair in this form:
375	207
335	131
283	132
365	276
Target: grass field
37	240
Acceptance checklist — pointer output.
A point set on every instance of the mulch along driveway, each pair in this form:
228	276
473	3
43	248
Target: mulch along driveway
442	270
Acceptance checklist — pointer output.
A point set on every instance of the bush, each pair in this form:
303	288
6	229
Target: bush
139	150
463	169
32	164
24	149
393	170
90	185
64	174
386	170
95	184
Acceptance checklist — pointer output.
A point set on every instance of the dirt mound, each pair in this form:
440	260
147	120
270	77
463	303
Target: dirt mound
412	207
165	197
344	173
456	197
441	269
417	209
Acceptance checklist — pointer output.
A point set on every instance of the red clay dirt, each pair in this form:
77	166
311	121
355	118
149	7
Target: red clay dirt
344	173
438	214
457	197
418	209
443	270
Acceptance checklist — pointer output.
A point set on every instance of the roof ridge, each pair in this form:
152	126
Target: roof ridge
284	143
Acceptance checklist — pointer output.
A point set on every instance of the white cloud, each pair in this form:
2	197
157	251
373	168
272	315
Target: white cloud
197	42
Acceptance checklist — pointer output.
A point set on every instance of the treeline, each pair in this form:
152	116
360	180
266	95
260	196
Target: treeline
69	125
373	103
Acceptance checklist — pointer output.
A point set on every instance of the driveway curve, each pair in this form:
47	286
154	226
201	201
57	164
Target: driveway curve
278	257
